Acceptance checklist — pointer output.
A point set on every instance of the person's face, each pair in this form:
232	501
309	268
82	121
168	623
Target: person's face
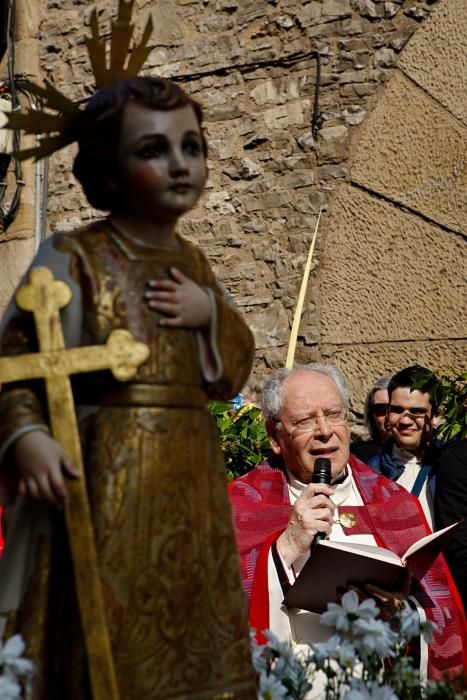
378	408
311	395
409	417
161	164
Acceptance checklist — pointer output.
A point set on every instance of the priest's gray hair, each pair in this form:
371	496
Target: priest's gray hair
272	394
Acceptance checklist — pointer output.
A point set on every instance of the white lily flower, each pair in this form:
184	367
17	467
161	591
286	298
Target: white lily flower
427	629
281	667
372	691
341	616
281	648
347	655
13	647
410	623
376	636
327	650
11	659
9	689
258	655
368	609
270	688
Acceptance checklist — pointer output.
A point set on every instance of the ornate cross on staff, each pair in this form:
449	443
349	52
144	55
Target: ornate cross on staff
122	354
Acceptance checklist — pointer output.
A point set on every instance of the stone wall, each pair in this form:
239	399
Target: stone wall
387	278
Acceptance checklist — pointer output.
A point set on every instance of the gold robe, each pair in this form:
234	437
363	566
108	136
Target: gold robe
156	484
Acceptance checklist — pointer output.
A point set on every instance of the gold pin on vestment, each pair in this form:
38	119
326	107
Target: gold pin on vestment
347	520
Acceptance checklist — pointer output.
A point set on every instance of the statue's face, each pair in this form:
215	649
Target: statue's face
161	164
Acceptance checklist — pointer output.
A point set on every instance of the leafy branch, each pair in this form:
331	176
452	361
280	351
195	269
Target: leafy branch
450	399
243	437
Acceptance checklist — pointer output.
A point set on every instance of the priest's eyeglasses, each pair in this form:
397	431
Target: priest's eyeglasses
311	423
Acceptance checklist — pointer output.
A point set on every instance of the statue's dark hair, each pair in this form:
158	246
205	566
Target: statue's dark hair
96	162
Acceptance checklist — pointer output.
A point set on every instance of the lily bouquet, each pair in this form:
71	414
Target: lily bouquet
15	671
365	658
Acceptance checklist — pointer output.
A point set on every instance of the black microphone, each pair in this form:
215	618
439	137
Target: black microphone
321	475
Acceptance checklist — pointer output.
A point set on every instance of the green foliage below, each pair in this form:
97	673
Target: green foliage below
450	396
243	437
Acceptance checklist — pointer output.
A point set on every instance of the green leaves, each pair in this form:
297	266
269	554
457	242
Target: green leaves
450	398
243	437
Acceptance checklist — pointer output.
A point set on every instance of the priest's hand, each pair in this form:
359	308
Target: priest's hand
181	302
388	602
42	466
311	513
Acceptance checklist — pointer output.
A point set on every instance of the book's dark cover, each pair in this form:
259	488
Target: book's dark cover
329	569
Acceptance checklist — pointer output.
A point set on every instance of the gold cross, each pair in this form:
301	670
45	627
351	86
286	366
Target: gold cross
122	354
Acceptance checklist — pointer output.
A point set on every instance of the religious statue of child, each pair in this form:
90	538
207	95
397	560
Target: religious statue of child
156	482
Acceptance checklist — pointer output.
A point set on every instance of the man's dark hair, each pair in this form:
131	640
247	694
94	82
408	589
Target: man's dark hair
424	380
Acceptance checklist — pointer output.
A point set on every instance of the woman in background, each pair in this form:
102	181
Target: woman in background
374	418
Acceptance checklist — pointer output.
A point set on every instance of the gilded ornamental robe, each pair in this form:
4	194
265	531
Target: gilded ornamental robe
156	485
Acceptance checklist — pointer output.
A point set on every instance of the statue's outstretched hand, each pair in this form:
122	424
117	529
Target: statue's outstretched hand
41	467
181	302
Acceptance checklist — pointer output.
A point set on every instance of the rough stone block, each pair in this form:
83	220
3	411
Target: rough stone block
384	58
388	274
436	57
412	151
332	144
336	8
270	325
363	364
15	258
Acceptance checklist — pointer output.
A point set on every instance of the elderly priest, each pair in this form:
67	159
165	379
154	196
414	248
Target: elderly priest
278	512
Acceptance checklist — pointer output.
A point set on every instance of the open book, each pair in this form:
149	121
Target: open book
333	565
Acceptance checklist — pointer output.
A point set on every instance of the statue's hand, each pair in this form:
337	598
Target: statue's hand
42	465
181	302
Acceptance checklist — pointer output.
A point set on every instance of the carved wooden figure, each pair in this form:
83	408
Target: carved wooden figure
44	296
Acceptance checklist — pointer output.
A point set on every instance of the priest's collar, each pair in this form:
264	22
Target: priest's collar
342	485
